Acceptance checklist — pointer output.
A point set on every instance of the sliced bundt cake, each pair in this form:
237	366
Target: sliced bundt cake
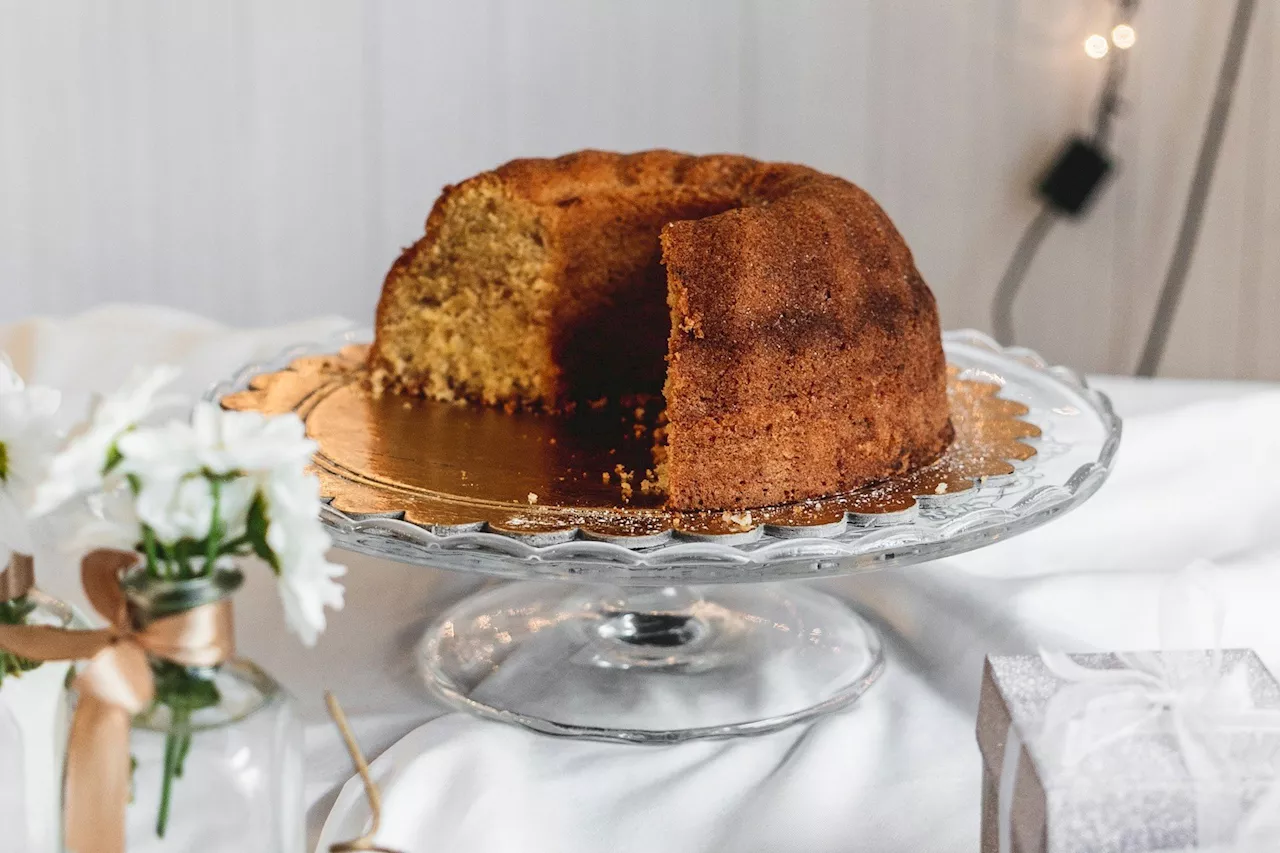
776	308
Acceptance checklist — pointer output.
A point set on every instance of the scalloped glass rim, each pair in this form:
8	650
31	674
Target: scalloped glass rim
768	558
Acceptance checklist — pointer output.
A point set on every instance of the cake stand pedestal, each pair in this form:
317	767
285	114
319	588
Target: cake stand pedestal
657	665
639	626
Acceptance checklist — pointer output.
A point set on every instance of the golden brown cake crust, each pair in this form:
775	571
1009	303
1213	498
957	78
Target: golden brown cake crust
805	354
803	351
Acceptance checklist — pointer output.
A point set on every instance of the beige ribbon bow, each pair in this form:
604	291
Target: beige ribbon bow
113	686
18	578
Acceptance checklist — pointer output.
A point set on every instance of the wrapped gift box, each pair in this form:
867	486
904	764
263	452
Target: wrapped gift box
1131	761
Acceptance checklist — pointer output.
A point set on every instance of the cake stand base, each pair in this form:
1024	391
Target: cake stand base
659	665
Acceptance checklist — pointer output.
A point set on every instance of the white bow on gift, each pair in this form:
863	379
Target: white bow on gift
1189	695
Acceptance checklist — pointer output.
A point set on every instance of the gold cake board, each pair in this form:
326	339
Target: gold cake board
540	478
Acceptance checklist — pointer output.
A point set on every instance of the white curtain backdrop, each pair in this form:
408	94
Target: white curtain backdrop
258	161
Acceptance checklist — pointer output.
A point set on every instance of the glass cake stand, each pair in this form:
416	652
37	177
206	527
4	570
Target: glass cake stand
667	635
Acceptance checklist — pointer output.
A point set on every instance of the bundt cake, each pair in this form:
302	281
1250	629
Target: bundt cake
776	309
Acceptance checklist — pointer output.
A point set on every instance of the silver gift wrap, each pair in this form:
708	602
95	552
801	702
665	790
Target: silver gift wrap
1135	792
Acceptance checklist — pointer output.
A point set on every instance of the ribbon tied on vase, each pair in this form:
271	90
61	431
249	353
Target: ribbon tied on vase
1188	695
18	577
115	683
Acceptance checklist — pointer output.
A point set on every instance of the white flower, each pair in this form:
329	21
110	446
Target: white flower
234	502
172	468
183	507
218	441
167	484
80	466
10	381
307	586
28	439
109	520
176	509
229	441
299	544
164	452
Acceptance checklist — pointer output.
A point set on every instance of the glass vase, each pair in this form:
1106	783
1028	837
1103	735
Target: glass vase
33	732
217	758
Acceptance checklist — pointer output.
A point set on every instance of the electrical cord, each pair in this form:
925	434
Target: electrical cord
1193	213
1198	197
1028	245
1014	274
1117	67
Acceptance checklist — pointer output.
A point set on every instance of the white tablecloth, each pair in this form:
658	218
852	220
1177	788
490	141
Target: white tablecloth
898	772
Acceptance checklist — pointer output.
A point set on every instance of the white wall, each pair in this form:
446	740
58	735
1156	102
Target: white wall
263	160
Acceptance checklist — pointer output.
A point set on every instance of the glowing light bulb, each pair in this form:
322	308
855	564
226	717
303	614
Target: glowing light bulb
1095	46
1123	36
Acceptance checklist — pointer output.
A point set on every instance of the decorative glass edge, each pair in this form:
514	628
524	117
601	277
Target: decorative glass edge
915	541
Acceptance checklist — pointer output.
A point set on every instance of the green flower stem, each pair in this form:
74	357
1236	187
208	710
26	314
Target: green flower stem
234	546
149	546
184	749
184	691
215	527
181	690
176	743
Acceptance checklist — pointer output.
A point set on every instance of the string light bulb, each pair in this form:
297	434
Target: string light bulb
1123	36
1095	46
